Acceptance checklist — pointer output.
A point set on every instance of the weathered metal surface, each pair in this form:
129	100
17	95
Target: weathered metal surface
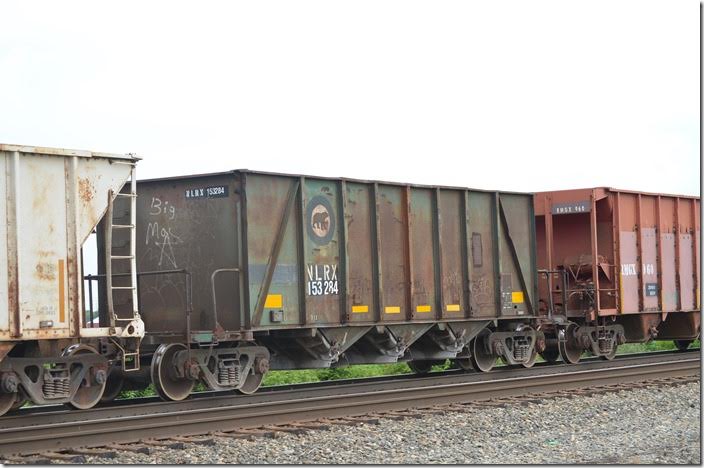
181	226
54	198
638	250
325	252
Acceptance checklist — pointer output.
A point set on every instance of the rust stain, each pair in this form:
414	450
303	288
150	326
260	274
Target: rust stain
62	292
86	190
41	197
45	271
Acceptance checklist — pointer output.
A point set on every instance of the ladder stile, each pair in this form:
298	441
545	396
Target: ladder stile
110	226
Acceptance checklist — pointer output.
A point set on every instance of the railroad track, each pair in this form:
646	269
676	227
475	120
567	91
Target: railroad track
299	407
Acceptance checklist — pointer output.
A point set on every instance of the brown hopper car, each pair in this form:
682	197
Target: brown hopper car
622	266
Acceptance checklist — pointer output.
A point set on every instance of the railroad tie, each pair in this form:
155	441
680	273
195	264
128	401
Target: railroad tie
311	425
135	448
26	460
94	452
256	432
233	435
194	440
71	458
287	428
171	444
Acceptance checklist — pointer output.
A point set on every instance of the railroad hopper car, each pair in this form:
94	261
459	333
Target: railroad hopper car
617	266
241	272
53	200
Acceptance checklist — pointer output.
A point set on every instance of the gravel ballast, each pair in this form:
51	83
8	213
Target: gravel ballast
650	425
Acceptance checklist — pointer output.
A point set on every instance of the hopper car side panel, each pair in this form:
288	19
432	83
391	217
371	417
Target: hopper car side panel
316	252
639	252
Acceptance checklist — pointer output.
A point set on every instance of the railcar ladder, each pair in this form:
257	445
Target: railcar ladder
130	358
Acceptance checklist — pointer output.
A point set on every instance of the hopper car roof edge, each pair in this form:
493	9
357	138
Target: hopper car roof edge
345	179
613	189
65	152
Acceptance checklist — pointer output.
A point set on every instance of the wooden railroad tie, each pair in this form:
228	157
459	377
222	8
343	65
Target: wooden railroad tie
135	448
67	457
171	444
94	452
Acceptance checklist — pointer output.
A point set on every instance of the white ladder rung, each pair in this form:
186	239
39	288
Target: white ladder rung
122	257
122	226
123	287
129	195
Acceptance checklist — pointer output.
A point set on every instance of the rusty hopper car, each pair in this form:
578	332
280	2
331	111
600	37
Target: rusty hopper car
244	271
622	266
53	200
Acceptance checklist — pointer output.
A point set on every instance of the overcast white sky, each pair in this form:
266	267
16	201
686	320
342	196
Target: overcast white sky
512	95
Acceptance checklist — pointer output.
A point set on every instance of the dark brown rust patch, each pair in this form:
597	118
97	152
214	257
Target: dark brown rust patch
45	271
86	190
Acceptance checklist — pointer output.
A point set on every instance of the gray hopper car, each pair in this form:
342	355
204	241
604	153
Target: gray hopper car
245	271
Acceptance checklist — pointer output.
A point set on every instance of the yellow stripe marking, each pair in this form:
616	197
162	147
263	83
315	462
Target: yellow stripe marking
274	301
360	309
517	297
423	308
392	309
62	292
453	307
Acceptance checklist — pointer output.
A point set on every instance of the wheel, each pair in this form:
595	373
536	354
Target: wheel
464	364
21	399
251	383
168	384
531	360
91	388
611	355
569	352
7	402
481	359
113	386
551	354
420	367
682	345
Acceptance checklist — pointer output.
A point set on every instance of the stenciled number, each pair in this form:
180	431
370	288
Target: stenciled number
322	288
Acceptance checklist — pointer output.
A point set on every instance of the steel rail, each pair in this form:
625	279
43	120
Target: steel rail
37	432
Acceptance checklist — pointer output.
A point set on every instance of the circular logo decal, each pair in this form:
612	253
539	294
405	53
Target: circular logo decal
321	220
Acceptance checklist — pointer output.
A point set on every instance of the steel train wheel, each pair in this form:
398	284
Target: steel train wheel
551	354
568	351
481	359
682	345
90	391
21	399
168	384
611	355
531	360
7	402
464	364
251	384
113	386
420	367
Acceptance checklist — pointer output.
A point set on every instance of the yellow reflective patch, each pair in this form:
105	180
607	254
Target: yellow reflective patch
274	301
517	297
392	309
453	307
360	309
423	308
